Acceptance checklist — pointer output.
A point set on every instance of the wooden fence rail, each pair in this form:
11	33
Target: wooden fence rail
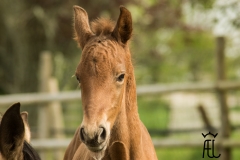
32	98
55	144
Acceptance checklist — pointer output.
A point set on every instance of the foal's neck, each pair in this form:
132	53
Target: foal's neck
128	118
127	127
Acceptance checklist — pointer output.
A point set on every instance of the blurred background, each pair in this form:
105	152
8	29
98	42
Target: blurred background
176	46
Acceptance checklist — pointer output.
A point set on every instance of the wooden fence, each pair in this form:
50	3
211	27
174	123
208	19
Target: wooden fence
54	144
32	98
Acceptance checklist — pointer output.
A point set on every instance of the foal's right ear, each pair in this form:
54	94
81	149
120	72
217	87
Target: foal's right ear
27	136
81	26
123	29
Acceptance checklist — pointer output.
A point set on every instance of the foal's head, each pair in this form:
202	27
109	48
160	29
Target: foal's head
15	136
103	73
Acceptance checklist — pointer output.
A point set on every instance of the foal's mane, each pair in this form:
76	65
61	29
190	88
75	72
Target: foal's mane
102	26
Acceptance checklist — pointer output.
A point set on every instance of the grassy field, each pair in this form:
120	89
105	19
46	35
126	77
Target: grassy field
155	115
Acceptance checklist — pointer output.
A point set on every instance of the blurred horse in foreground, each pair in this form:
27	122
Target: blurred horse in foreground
15	136
111	128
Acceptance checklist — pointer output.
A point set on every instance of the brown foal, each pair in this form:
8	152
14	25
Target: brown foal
111	128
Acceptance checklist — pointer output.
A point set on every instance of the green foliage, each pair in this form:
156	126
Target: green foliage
174	55
165	49
204	3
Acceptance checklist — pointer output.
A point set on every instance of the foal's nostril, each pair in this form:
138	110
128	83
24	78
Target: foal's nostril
82	134
102	134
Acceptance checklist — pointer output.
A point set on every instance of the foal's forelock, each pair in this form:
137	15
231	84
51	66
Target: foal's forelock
102	26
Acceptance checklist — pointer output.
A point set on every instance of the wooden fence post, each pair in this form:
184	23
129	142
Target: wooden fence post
221	95
57	121
45	72
207	123
52	109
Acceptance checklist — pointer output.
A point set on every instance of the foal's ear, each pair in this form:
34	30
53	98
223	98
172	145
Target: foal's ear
11	131
123	29
81	26
27	136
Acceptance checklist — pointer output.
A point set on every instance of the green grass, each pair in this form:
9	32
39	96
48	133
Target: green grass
181	154
153	112
189	154
173	154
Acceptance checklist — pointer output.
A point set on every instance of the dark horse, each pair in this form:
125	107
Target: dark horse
111	128
15	136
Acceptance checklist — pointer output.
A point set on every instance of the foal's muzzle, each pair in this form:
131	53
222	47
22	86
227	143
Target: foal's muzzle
95	141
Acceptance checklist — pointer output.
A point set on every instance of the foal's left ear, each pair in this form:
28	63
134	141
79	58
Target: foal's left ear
123	29
11	130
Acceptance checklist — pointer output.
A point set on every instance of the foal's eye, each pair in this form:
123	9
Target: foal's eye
78	79
120	78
